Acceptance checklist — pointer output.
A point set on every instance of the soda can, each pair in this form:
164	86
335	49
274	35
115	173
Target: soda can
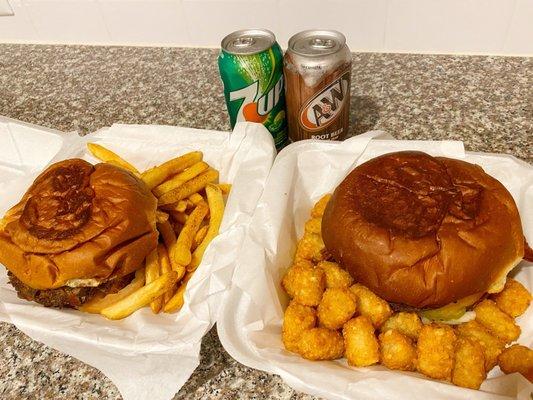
317	68
251	67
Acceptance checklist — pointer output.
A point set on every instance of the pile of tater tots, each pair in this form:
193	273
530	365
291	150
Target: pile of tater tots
330	316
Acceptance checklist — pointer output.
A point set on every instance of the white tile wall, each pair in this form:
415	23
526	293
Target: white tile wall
5	8
437	25
362	21
519	37
145	22
419	26
208	20
18	27
72	21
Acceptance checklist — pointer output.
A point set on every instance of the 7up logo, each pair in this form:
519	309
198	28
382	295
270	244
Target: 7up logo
256	106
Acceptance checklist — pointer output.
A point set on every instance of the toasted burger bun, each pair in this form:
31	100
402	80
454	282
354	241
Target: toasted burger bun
423	231
79	221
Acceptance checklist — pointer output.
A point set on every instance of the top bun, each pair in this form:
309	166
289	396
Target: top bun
423	231
79	221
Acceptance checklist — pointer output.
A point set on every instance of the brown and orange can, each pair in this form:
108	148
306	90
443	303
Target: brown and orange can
317	70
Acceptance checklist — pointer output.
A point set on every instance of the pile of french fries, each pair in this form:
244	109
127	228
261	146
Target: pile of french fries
189	214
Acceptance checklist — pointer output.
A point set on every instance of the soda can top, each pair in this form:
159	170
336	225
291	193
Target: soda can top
315	42
248	41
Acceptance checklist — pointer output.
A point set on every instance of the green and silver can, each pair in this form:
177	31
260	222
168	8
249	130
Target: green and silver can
251	67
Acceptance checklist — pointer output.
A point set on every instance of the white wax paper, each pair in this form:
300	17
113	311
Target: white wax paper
147	356
251	317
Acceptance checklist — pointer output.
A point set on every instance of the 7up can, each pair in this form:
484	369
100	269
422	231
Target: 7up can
251	67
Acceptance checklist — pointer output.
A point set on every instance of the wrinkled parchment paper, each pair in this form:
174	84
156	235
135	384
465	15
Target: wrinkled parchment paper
250	321
146	356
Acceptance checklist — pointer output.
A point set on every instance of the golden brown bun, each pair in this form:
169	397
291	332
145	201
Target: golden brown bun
423	231
79	221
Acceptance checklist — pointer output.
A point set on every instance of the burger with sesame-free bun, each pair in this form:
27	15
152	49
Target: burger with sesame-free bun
429	233
80	230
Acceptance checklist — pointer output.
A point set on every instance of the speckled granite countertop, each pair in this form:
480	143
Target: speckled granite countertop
485	101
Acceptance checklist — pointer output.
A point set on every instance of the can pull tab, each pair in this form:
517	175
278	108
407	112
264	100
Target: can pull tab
322	43
244	42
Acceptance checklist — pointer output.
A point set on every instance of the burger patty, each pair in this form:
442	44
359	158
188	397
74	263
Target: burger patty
65	296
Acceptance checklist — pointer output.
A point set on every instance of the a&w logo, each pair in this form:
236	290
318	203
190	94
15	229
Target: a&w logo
325	106
255	108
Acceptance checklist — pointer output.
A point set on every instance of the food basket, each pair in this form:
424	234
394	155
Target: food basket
251	317
145	355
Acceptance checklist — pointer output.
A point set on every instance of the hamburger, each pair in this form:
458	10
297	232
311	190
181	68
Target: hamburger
428	233
80	230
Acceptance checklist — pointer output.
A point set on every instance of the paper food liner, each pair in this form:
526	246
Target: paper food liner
250	321
145	355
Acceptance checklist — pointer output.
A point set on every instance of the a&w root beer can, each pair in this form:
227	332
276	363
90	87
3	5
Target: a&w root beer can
317	69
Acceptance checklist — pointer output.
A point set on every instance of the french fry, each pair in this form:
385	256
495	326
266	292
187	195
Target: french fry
181	206
95	306
182	250
181	178
216	210
108	156
193	186
161	216
157	175
169	238
176	302
225	187
195	198
141	297
164	264
152	272
200	235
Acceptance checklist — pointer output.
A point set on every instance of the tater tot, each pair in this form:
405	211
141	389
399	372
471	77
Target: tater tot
336	276
514	299
469	366
310	247
397	351
362	347
491	345
517	358
336	307
406	323
305	284
320	206
435	351
496	321
370	305
305	263
321	344
314	226
297	319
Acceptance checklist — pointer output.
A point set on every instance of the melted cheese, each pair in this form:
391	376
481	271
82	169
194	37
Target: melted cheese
83	283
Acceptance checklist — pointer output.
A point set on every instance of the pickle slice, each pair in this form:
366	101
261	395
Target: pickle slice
451	311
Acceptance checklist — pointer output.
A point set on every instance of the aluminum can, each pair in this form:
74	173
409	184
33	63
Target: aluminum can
251	68
317	69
